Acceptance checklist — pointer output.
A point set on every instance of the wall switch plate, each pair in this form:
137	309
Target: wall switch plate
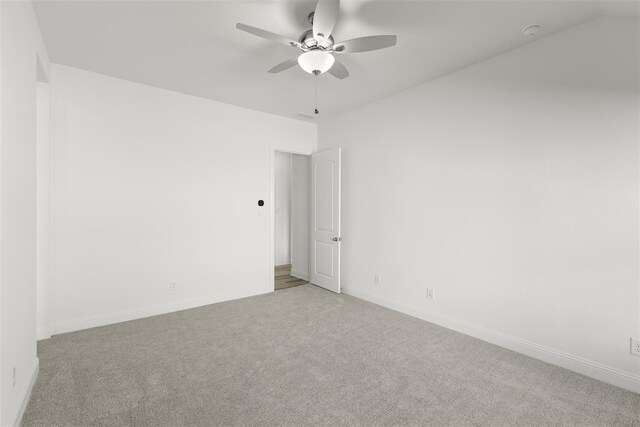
377	279
173	286
429	293
635	346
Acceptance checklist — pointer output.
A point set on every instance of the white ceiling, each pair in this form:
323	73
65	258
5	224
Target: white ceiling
194	48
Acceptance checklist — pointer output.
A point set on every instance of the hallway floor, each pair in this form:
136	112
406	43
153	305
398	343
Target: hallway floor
285	280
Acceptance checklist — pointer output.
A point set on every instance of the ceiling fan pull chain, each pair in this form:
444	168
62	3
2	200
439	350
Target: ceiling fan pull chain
316	109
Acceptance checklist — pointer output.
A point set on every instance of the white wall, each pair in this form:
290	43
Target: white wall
20	46
282	200
511	189
152	187
42	212
300	172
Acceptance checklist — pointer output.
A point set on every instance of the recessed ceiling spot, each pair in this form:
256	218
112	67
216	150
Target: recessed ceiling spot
531	30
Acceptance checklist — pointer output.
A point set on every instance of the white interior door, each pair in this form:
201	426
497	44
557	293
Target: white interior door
325	219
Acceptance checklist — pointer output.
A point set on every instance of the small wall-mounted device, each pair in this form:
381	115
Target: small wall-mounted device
260	202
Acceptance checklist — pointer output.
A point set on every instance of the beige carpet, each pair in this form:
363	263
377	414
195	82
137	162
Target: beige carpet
301	357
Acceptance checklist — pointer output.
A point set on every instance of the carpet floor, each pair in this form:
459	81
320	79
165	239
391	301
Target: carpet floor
302	357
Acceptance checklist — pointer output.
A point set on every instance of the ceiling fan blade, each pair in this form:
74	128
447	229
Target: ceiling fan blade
365	44
339	70
267	35
325	18
284	65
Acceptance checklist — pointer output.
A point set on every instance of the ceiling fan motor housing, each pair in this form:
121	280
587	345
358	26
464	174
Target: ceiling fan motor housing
310	43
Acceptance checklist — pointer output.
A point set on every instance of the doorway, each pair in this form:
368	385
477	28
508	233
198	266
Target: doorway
291	219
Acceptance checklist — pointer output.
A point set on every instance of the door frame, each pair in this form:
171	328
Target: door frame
283	148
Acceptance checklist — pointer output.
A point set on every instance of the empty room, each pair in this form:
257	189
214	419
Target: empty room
319	213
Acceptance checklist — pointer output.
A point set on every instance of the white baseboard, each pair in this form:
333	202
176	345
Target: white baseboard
44	333
300	275
25	394
627	380
139	313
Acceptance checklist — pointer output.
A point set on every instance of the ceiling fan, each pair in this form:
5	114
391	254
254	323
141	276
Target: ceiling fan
317	44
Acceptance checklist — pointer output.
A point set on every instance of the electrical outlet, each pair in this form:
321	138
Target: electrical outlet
13	378
173	286
429	293
635	346
377	280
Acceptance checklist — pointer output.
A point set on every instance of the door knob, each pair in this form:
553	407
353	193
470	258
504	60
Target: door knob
337	239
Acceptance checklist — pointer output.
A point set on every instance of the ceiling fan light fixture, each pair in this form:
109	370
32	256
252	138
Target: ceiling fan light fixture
316	61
